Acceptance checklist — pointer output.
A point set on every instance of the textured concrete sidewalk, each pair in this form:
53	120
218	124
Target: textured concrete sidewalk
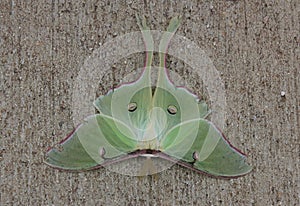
253	44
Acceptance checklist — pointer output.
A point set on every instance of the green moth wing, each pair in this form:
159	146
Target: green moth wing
134	97
179	104
99	138
200	144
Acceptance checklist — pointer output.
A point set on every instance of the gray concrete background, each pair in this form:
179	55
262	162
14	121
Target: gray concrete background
253	44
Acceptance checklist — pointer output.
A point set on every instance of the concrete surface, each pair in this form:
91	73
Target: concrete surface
253	44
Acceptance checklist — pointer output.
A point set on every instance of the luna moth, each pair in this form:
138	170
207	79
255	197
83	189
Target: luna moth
137	119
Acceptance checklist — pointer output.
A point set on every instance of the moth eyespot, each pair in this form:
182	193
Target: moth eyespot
132	107
172	109
102	152
195	156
